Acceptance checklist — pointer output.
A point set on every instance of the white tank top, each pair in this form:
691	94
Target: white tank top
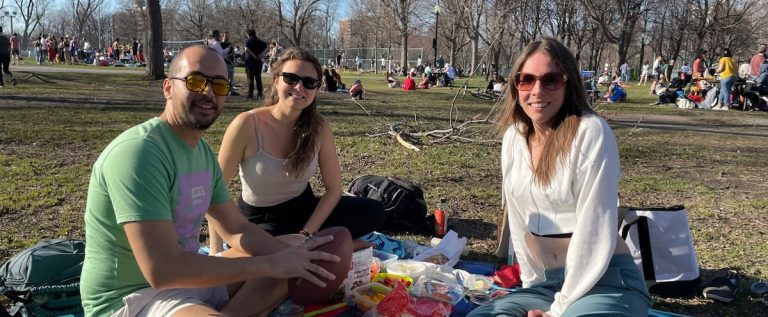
265	180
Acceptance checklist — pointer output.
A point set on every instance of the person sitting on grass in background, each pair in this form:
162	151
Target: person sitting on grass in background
279	147
357	90
424	83
148	193
616	92
409	83
392	82
329	82
663	91
560	181
337	76
496	85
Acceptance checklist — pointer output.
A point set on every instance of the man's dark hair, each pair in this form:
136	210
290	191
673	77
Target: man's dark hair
251	32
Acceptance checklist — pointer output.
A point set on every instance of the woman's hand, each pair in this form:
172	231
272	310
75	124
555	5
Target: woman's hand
537	313
297	261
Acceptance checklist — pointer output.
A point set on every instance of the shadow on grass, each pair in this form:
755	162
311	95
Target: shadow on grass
756	130
80	102
473	228
745	302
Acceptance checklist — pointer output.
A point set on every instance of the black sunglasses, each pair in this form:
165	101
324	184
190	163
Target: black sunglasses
550	81
293	79
198	83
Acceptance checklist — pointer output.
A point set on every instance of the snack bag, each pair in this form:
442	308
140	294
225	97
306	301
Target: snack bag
360	274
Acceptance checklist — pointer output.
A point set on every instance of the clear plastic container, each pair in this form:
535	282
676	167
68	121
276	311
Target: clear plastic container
385	258
369	295
412	269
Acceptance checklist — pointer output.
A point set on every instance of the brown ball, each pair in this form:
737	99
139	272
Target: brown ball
304	292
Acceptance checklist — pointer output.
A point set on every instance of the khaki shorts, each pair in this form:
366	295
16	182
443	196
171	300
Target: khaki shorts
152	302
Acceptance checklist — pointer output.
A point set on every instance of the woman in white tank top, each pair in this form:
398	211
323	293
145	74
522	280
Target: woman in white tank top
279	147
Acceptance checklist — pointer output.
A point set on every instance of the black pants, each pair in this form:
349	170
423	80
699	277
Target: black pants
359	215
5	60
253	72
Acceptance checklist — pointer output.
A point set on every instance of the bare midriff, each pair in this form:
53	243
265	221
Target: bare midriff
552	251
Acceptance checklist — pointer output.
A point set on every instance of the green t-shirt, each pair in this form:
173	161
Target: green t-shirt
146	173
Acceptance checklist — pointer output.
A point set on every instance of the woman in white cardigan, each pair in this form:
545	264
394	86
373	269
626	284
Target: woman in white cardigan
560	167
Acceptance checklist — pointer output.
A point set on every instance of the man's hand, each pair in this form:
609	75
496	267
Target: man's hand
537	313
297	261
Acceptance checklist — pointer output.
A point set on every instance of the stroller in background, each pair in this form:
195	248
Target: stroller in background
590	85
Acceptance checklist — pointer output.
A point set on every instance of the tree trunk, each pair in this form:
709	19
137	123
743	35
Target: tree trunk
154	45
404	50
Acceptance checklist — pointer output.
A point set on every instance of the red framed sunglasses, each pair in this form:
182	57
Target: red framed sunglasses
550	81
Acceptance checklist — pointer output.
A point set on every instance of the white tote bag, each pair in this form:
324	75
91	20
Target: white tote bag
661	244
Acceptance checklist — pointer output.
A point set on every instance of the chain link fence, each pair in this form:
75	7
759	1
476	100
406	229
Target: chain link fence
369	58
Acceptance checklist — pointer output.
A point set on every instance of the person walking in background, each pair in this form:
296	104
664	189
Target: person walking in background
624	68
254	62
5	57
656	72
228	52
728	76
643	75
15	47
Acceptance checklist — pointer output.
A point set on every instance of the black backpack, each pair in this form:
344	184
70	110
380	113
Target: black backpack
44	280
404	206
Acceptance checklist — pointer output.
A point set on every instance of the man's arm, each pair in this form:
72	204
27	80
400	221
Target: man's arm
241	234
165	266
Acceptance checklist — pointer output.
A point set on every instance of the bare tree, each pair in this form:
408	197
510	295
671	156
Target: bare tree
296	15
31	13
402	12
616	20
713	17
82	11
472	12
195	18
454	34
327	19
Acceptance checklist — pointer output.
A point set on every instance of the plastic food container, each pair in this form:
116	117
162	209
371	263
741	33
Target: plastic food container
385	258
390	280
369	295
412	269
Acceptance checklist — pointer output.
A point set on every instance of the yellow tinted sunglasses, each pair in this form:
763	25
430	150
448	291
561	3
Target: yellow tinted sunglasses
198	83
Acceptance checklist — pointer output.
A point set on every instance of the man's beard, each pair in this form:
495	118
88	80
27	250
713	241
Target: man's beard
196	120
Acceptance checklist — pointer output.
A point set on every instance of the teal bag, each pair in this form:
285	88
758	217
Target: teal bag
44	280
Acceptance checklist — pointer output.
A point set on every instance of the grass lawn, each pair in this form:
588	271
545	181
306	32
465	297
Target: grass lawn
715	163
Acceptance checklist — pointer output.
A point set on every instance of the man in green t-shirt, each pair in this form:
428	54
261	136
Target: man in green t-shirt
148	193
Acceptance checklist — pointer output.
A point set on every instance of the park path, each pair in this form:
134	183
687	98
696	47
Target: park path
93	70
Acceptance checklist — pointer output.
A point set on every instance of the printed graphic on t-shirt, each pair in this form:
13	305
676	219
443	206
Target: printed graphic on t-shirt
194	200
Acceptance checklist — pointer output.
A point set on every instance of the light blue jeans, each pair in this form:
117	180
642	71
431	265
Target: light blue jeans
231	74
725	90
620	292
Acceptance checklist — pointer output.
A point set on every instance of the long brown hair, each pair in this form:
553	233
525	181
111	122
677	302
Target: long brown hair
307	128
565	122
